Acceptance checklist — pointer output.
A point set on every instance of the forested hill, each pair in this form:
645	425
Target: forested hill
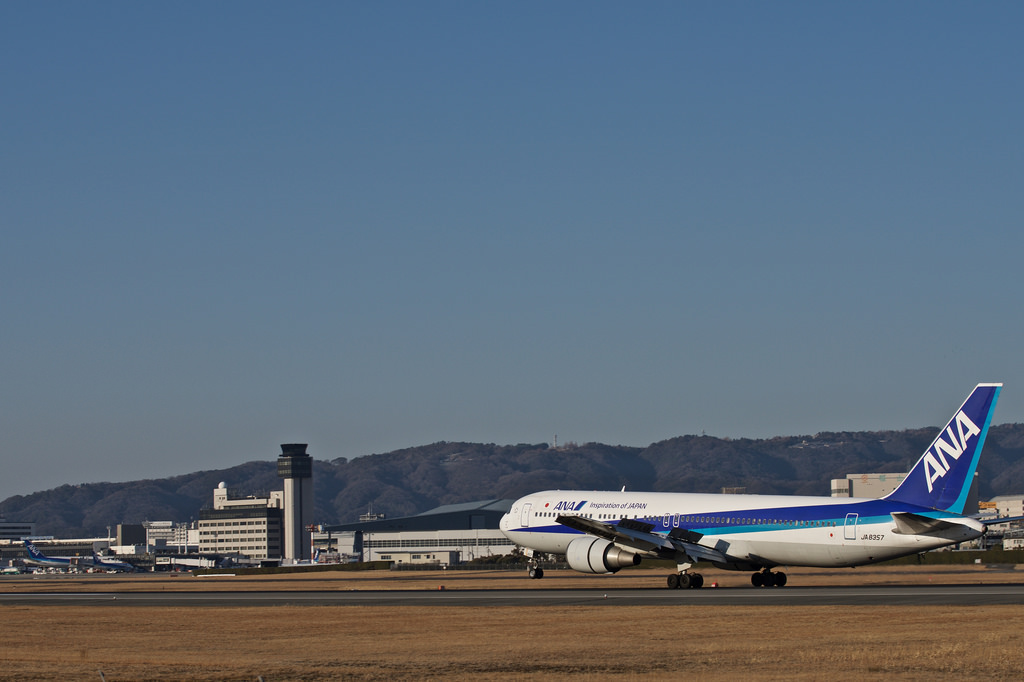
417	479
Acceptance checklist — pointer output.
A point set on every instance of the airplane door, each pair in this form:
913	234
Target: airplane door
850	531
525	520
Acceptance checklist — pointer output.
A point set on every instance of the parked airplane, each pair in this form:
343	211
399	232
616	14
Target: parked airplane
113	565
37	558
602	532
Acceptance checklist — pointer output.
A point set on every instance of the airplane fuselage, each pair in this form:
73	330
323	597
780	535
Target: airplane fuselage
754	531
47	563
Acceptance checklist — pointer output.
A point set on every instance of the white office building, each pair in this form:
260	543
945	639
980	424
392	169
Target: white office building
247	526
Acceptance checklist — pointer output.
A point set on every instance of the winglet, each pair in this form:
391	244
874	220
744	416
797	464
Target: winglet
942	477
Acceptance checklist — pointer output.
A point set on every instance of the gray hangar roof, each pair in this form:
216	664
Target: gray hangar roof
481	515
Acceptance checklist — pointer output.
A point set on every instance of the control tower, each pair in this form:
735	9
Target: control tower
296	468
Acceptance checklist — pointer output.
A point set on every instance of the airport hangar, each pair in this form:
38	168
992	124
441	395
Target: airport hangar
447	535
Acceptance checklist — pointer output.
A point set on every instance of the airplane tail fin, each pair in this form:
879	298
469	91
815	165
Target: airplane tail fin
942	477
32	551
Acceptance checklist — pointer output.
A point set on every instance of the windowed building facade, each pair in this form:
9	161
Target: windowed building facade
11	530
249	526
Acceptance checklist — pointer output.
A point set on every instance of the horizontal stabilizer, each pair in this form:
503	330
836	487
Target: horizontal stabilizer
908	523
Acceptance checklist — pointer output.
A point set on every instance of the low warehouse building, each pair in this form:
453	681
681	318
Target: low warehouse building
446	535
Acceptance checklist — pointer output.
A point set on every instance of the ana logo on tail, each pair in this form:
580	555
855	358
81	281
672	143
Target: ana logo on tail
941	478
935	463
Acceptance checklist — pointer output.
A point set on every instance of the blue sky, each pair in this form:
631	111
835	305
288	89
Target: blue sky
372	226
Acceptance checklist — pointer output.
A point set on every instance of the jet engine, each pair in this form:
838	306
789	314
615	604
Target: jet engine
595	555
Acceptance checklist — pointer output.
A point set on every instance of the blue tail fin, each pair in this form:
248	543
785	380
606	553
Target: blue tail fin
942	478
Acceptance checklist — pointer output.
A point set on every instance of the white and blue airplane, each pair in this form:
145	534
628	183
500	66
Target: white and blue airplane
37	558
602	532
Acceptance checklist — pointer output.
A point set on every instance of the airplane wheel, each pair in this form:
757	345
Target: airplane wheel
780	579
768	579
696	581
757	580
685	582
532	573
673	581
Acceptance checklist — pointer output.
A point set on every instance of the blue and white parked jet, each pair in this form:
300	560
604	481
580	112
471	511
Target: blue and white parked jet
602	532
37	558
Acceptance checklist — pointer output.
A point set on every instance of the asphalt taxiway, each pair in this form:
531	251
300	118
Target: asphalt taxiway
911	595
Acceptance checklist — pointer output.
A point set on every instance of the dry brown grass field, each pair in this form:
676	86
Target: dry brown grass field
509	643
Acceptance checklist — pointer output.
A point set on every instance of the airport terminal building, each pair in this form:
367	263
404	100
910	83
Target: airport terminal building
15	530
271	527
248	526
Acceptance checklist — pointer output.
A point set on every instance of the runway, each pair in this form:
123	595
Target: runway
890	595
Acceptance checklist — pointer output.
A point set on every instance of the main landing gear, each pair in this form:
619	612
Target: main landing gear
766	578
682	581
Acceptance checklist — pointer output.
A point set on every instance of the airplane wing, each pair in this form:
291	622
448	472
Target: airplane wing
641	536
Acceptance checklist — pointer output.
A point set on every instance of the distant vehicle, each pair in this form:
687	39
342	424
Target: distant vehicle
601	532
11	570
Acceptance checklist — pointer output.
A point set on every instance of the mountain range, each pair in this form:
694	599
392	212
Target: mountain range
413	480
